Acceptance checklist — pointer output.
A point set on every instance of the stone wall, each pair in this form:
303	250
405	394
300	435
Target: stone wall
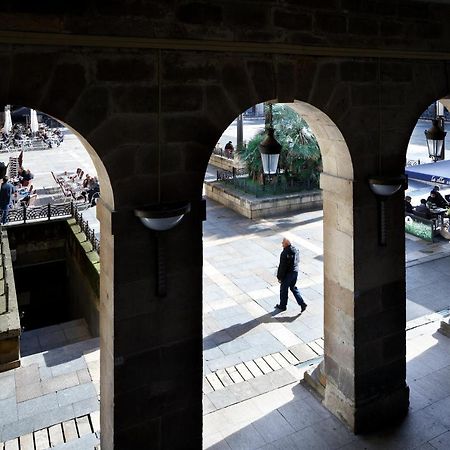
254	208
9	312
83	266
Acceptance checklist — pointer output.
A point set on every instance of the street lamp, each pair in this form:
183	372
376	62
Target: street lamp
435	139
270	148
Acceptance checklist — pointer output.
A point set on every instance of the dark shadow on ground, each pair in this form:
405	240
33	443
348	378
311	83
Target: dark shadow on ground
220	337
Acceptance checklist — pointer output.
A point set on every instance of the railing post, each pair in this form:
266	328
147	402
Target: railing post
24	212
71	208
49	211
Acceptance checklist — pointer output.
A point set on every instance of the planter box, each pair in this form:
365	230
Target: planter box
254	208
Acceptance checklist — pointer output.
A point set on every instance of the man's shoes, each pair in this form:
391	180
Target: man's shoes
304	305
281	308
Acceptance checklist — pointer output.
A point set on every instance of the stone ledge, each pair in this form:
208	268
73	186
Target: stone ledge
9	321
254	208
225	163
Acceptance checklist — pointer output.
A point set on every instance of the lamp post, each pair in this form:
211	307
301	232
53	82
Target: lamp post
270	148
436	139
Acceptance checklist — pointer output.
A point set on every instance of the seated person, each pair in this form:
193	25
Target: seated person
422	210
408	207
432	200
439	200
26	177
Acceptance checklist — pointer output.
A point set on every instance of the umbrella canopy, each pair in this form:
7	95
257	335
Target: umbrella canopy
7	127
33	121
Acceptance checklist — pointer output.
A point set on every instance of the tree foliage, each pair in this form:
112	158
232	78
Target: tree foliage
300	155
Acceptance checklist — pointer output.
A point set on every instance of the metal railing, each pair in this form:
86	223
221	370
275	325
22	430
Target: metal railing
3	275
87	230
50	211
24	214
238	180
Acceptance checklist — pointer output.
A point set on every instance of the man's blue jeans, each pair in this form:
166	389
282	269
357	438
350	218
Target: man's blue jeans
4	213
289	283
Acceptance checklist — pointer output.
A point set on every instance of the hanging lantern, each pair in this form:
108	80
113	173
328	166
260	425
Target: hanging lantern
270	148
435	140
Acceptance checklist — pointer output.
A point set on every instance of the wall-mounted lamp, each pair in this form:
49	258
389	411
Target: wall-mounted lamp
162	217
159	218
383	188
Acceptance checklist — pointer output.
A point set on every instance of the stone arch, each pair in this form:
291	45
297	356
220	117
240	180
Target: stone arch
337	183
44	89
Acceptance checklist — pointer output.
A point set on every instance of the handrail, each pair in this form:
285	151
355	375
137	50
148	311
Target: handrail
54	211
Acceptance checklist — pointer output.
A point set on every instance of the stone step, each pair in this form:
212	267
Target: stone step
247	370
53	336
77	433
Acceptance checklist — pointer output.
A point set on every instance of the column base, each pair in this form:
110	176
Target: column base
445	328
316	380
371	415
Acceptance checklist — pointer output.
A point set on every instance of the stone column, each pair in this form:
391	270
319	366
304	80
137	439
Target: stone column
364	318
151	364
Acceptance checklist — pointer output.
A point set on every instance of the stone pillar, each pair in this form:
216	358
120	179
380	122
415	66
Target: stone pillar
151	364
364	318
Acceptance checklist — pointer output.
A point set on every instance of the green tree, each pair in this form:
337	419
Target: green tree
300	157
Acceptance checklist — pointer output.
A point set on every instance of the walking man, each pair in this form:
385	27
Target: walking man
287	275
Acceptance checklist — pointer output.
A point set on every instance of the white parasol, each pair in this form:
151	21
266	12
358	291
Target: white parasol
7	127
33	121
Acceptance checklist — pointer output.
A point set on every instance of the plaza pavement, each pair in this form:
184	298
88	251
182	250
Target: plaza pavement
241	290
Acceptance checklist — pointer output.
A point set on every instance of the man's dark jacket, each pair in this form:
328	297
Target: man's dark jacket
288	262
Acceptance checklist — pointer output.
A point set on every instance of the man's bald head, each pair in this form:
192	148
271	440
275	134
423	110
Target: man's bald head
285	242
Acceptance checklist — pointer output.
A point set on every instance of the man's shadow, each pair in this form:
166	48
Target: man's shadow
228	334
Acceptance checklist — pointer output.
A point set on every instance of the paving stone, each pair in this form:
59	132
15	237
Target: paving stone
8	411
86	406
245	438
83	425
95	420
60	382
27	375
265	368
12	445
70	430
89	441
302	352
441	442
72	365
222	398
41	440
7	386
37	405
29	391
234	375
53	416
56	436
273	426
26	442
244	371
75	394
16	428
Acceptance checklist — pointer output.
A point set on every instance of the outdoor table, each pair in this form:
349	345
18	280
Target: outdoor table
438	214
